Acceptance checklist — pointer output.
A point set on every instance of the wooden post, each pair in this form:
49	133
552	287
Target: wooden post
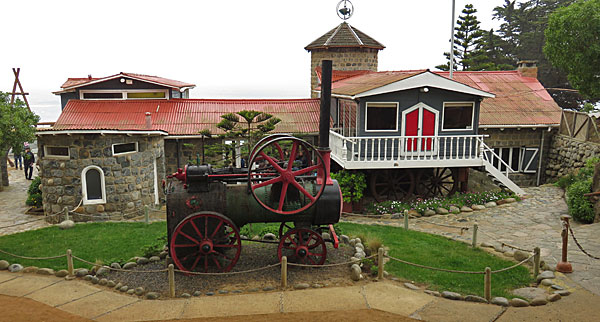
405	219
487	289
66	213
171	280
283	272
475	227
70	262
380	263
536	262
146	215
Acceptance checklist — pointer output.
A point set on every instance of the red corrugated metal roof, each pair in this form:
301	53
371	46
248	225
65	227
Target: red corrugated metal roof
184	116
78	82
519	100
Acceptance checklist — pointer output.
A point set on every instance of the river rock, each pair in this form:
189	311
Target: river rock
452	295
124	288
111	283
154	259
355	272
434	293
352	242
30	269
67	224
325	236
474	298
197	293
466	209
130	291
553	297
529	293
345	239
518	303
103	281
301	286
547	282
95	280
562	293
510	200
557	287
81	272
118	286
45	271
359	246
358	241
521	255
454	210
539	301
142	261
490	204
163	254
3	265
269	236
442	211
61	273
185	295
129	265
360	255
487	245
411	286
102	271
115	265
502	301
152	295
478	207
429	212
545	275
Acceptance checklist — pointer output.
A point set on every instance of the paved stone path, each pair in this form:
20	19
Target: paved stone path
534	221
12	205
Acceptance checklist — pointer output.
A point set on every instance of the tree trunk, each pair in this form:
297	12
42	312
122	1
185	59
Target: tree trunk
4	169
596	187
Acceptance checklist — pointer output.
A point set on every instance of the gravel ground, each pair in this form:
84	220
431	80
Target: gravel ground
253	255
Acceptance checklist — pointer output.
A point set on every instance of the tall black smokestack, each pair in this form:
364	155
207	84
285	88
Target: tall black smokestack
325	104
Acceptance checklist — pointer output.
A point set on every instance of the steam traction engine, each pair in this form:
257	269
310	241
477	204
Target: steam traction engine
287	181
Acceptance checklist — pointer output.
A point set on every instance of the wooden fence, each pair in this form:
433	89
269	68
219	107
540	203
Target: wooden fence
580	126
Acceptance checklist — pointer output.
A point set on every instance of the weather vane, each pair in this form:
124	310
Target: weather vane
346	11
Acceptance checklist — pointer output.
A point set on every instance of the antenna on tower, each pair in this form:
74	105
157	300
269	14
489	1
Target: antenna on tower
346	11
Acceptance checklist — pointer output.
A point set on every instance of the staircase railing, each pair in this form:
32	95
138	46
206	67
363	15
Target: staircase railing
489	155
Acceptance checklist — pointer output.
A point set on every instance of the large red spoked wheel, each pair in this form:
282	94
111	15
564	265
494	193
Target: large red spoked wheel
287	186
266	140
303	246
207	242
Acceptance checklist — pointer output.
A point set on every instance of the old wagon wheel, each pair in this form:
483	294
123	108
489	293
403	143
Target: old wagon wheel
287	187
206	241
392	184
437	182
284	228
303	246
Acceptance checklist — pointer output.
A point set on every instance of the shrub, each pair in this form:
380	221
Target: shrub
580	207
34	198
352	184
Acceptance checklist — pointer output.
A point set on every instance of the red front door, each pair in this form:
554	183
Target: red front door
420	122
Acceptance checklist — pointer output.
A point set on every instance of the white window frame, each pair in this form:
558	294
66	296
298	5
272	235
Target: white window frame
522	166
54	156
85	200
128	152
472	117
123	94
367	110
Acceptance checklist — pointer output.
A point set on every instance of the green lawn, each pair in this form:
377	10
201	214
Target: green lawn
109	242
440	252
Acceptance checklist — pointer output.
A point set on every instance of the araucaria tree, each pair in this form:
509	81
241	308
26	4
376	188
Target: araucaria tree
466	39
573	45
17	125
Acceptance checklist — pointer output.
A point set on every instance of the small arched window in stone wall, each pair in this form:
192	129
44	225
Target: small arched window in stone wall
92	185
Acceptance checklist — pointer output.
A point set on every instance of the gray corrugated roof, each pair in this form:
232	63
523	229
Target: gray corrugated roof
344	35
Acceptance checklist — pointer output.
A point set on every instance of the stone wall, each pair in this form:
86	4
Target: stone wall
129	178
568	155
342	59
524	137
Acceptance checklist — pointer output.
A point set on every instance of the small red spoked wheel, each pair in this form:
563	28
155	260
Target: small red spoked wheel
287	187
284	228
303	246
206	242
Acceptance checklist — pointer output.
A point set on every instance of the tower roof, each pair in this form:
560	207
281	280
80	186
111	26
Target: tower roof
344	35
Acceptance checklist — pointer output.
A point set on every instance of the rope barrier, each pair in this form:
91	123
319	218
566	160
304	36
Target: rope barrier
462	228
511	267
32	258
578	245
117	269
330	265
433	268
231	273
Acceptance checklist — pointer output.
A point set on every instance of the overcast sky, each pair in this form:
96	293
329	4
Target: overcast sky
229	49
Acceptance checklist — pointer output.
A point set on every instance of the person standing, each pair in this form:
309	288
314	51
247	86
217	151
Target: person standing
28	161
17	151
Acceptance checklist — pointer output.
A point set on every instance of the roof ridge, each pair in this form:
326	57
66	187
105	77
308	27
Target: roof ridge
333	34
360	42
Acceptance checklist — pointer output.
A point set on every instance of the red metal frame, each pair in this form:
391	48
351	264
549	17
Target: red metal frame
294	240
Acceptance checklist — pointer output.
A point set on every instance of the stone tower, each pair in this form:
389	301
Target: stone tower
348	48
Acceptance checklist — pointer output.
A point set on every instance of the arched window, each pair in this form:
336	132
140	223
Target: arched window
92	185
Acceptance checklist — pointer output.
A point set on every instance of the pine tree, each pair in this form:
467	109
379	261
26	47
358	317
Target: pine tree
490	54
466	39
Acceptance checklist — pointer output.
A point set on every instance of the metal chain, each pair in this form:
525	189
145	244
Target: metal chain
230	273
433	268
581	248
331	265
32	258
505	244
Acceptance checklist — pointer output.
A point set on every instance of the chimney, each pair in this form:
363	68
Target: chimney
528	68
148	120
